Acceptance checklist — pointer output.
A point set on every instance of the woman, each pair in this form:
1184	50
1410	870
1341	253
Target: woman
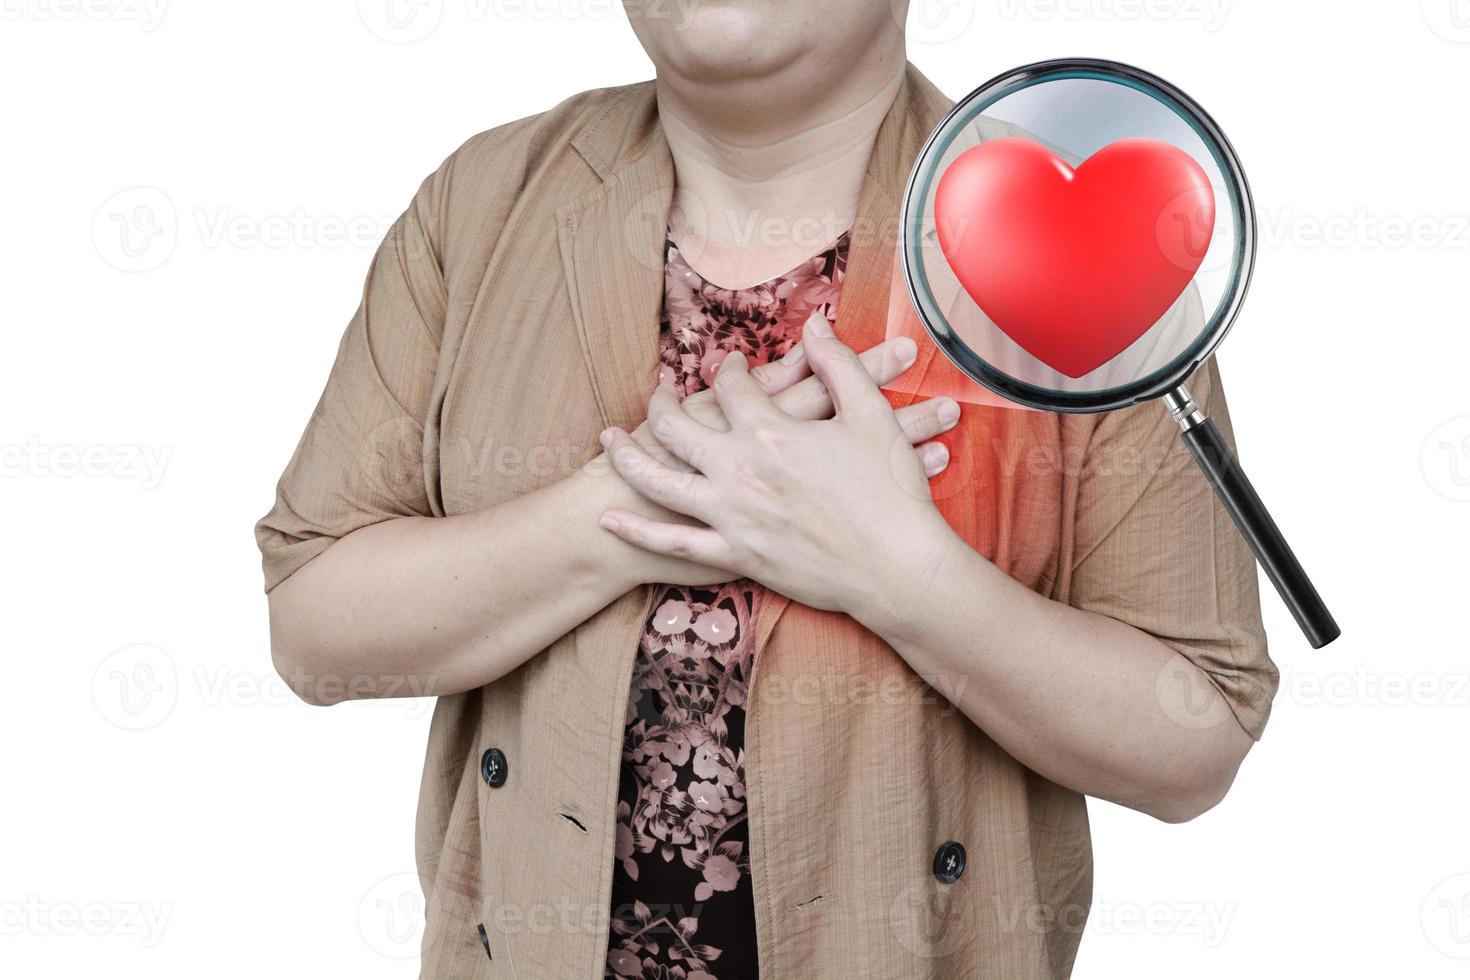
745	693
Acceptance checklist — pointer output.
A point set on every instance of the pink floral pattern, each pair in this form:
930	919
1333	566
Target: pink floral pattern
682	841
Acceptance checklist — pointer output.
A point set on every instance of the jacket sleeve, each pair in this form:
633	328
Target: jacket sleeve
361	458
1154	549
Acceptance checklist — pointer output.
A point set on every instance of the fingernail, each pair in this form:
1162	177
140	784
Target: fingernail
818	326
936	458
606	438
905	350
948	413
609	523
794	356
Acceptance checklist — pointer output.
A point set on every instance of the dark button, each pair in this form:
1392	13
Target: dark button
485	939
949	862
494	768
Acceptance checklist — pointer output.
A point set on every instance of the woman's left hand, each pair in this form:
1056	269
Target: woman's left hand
834	514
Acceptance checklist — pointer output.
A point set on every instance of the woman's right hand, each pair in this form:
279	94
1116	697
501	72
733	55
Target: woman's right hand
796	392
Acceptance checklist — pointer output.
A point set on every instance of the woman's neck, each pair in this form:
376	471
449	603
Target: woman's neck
768	176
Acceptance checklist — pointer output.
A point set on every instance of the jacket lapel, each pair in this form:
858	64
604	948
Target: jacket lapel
612	245
863	309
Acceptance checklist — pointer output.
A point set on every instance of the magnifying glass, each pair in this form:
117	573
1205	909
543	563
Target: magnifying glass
1079	236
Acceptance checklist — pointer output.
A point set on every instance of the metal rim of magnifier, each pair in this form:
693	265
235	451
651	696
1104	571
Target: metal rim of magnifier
1154	385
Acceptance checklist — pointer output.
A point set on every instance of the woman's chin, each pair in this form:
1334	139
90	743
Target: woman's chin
727	42
715	67
732	60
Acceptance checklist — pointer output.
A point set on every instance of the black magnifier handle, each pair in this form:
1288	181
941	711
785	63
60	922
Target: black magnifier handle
1244	505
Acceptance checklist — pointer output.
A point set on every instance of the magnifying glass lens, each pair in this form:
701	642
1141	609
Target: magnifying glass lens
1077	239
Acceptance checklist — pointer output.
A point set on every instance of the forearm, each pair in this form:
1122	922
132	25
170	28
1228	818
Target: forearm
1075	696
435	606
419	606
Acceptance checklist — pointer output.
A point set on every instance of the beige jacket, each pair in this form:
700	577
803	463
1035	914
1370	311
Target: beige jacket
511	314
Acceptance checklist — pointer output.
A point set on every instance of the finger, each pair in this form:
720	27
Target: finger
778	376
645	438
926	420
697	544
675	430
934	456
684	493
740	398
809	400
846	379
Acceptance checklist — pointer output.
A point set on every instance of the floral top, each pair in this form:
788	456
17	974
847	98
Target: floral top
682	902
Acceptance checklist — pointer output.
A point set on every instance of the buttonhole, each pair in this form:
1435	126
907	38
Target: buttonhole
485	940
803	906
575	822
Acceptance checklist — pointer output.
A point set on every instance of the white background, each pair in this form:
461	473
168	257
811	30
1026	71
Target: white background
191	193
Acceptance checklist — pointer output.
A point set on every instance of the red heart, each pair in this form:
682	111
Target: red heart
1075	266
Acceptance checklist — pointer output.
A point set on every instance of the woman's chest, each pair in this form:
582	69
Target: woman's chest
521	409
1005	489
